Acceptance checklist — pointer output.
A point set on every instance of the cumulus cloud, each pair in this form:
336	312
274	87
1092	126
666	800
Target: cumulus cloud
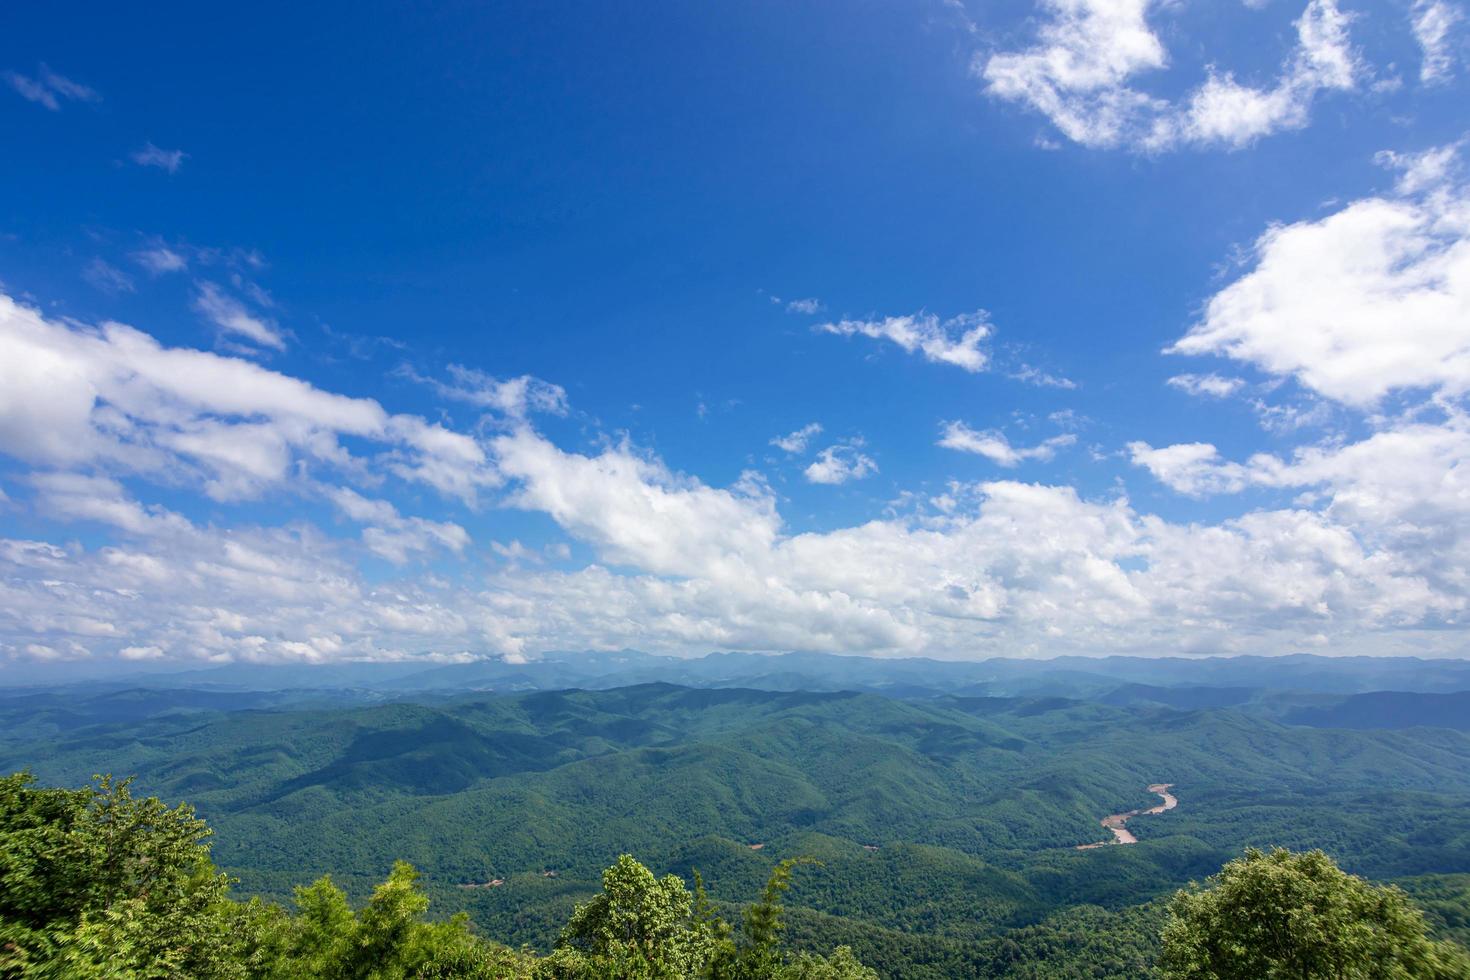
1371	299
1080	74
954	341
73	396
1403	492
149	155
389	534
839	464
245	594
1369	550
1077	74
1001	565
49	89
635	510
1193	468
994	446
1224	111
796	442
809	306
997	567
79	497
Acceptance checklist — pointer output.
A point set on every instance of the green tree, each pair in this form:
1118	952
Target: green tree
1285	916
387	940
97	883
841	965
759	955
639	927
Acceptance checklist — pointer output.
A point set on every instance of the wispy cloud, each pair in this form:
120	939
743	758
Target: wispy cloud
1042	379
808	306
149	155
1212	385
107	277
956	341
994	446
231	315
49	89
160	260
1433	22
514	397
796	442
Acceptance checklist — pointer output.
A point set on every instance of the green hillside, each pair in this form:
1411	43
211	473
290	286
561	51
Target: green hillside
947	826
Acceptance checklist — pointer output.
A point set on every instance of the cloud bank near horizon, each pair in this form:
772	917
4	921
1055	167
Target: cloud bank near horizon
1352	544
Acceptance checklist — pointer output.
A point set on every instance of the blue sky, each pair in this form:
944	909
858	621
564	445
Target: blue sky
1101	325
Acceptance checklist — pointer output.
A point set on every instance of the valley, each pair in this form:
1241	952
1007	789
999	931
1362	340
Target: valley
947	826
1118	822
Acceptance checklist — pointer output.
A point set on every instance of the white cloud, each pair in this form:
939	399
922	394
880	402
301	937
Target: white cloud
108	278
1077	74
809	306
76	497
73	396
160	260
149	155
1080	73
141	653
954	341
1223	111
1427	172
1211	384
1193	468
392	536
229	314
1403	492
796	442
1370	553
244	594
515	552
1433	22
839	464
994	446
1371	299
635	510
514	397
49	89
1042	379
1000	568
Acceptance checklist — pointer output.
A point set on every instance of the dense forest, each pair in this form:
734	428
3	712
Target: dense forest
97	883
943	829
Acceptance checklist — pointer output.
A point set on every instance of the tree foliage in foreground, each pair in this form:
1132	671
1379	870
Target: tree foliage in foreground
1285	916
95	883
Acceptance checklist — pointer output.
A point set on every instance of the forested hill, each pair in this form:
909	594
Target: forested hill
1082	677
947	826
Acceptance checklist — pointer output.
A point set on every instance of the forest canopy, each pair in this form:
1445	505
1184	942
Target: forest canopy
100	883
96	882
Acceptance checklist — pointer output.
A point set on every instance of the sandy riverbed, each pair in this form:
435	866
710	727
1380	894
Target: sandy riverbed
1118	822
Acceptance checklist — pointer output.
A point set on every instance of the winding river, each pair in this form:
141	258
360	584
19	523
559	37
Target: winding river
1118	822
